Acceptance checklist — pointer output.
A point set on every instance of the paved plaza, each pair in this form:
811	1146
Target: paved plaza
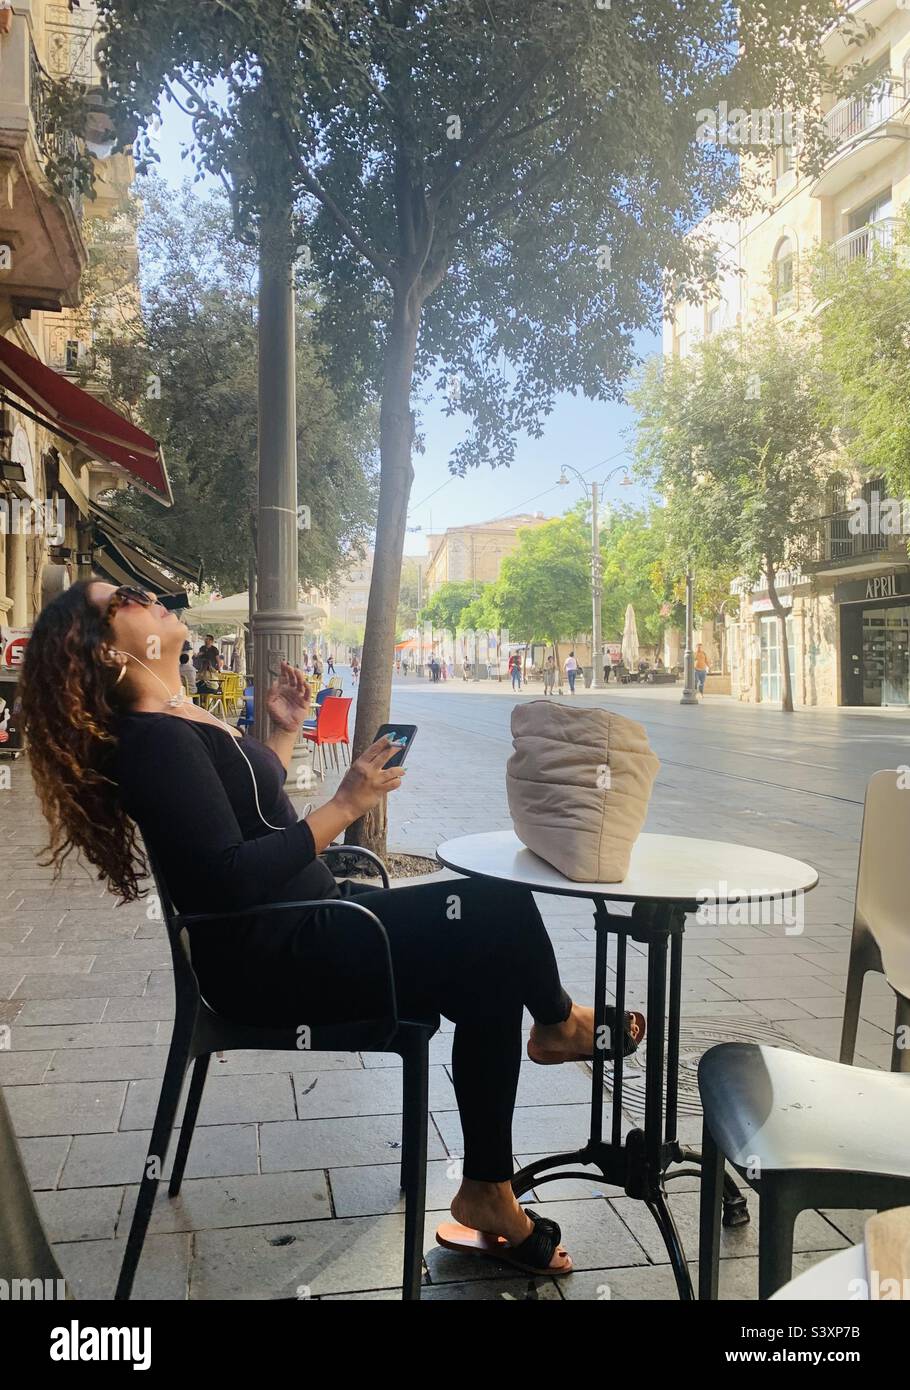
292	1184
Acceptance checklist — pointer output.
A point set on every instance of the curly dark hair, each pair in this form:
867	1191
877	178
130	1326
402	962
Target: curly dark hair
69	717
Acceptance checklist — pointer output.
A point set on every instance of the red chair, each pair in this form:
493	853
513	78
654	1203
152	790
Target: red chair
331	730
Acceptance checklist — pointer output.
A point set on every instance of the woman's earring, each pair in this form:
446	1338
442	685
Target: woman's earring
121	674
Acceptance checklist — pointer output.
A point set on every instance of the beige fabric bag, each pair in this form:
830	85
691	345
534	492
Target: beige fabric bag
578	783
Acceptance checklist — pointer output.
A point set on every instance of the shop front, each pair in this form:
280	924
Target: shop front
875	639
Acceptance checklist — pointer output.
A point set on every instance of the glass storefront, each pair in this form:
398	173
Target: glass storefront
772	676
886	655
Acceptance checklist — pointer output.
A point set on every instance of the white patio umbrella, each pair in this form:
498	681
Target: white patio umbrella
235	608
630	640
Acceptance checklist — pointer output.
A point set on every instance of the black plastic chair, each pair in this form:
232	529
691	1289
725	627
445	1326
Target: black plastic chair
199	1031
25	1251
804	1132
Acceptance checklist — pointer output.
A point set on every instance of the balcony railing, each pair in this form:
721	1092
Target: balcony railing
58	146
834	541
862	244
853	117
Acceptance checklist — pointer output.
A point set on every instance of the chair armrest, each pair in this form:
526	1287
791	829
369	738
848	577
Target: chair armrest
368	918
357	852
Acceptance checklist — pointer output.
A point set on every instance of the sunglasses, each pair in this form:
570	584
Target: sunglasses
126	594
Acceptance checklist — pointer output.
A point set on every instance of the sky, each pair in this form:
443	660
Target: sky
591	436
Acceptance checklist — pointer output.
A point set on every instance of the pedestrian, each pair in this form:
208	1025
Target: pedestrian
443	668
355	669
317	666
465	669
549	676
701	668
330	665
187	670
206	663
451	670
608	667
515	670
434	669
570	667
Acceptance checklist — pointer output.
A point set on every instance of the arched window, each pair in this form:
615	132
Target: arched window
782	277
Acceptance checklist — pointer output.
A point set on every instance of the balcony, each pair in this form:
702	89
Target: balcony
836	550
40	226
862	129
865	241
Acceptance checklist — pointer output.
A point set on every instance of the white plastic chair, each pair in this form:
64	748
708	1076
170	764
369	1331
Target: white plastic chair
881	915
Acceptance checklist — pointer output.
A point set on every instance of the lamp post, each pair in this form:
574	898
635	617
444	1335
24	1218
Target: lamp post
591	491
689	696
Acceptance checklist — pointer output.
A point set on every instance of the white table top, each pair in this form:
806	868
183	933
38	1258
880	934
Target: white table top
671	868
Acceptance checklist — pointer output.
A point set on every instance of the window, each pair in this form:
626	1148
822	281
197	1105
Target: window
783	274
875	210
72	355
783	160
679	345
715	319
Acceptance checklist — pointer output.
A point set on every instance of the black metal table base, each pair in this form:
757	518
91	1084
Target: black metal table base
639	1161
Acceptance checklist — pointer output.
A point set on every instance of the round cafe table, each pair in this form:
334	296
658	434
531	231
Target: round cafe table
669	875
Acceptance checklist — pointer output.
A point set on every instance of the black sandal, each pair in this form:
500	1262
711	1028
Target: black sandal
533	1255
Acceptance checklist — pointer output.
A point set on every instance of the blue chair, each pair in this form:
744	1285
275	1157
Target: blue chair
245	722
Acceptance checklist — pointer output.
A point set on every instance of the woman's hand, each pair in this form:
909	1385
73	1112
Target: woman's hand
368	779
288	699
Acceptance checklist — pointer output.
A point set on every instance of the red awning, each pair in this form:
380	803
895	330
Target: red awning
78	416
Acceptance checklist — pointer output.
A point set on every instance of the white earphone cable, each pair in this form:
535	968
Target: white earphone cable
174	701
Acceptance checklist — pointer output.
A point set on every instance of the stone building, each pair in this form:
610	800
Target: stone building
849	623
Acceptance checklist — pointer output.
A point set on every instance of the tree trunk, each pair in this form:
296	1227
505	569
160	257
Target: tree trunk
780	610
396	432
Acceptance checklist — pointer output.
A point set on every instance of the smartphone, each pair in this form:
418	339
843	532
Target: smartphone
402	736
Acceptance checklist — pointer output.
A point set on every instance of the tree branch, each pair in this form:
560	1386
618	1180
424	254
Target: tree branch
485	139
380	264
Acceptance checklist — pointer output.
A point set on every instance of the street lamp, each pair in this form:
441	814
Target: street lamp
591	491
689	696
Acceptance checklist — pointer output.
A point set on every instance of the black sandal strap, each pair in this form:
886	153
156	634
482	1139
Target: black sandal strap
538	1249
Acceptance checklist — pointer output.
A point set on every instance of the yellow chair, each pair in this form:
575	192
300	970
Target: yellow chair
232	692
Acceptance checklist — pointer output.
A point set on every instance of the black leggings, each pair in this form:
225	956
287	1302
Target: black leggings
473	950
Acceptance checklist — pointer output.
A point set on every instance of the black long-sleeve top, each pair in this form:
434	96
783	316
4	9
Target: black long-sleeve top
191	793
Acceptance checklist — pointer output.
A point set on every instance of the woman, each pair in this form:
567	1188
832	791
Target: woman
113	741
571	670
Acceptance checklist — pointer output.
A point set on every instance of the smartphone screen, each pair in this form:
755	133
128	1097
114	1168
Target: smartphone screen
402	736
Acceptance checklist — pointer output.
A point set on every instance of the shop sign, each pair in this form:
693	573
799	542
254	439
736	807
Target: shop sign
873	588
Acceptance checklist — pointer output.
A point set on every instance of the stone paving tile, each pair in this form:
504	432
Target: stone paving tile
249	1063
333	1094
40	1011
217	1151
107	1063
373	1190
84	1035
812	1231
298	1260
23	1068
65	1109
206	1204
91	1267
44	1159
363	1139
140	1011
91	986
225	1100
80	1215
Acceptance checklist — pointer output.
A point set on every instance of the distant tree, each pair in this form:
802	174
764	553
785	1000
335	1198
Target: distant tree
544	587
633	544
734	437
446	607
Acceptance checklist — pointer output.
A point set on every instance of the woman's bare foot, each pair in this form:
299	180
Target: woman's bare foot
573	1040
493	1207
568	1039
